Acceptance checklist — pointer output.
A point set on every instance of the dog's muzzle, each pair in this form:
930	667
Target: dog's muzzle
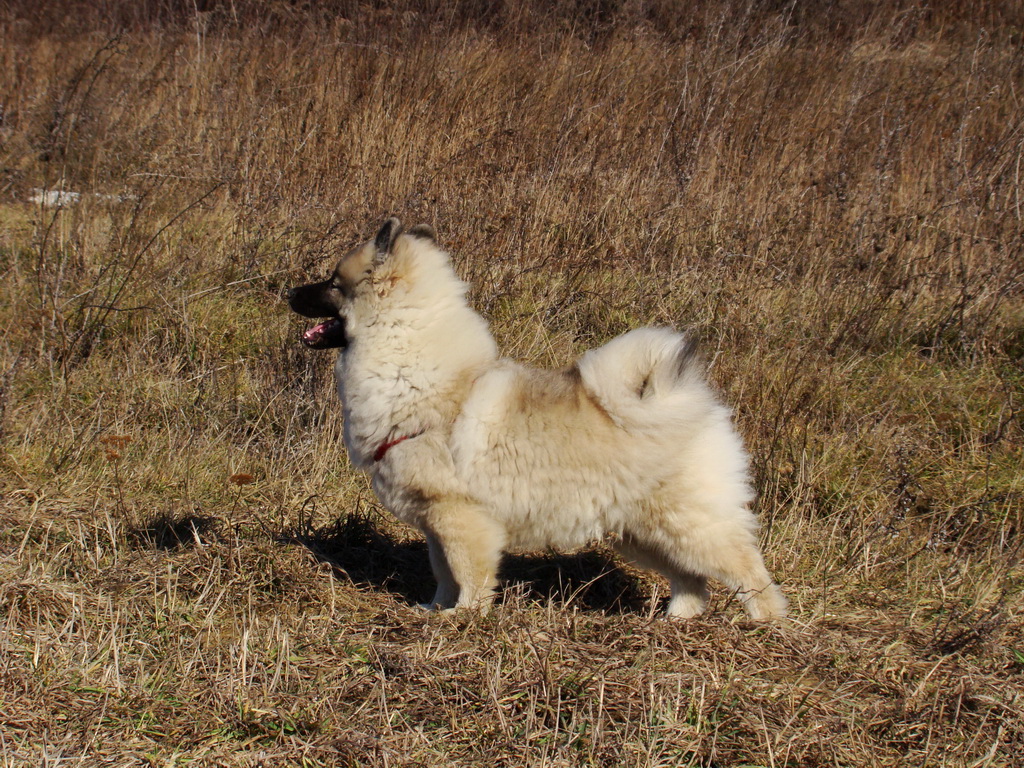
311	301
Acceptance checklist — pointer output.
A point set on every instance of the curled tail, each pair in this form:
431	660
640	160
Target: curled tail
680	365
648	379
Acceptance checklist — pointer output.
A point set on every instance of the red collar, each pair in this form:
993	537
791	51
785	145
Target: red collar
384	447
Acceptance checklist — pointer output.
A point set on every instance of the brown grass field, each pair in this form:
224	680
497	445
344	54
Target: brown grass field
830	193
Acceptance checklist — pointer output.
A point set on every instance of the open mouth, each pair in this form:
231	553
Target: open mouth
326	335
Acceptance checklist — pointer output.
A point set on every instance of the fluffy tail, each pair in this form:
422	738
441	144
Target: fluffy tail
650	379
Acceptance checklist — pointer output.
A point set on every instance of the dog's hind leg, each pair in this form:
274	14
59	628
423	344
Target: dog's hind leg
696	545
465	550
744	573
689	591
689	595
720	542
729	554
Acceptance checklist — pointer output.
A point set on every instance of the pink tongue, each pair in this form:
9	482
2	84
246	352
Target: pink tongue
314	334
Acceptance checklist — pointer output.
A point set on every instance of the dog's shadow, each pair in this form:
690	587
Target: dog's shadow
359	551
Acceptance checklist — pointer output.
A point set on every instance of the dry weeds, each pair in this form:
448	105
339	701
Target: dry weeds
830	193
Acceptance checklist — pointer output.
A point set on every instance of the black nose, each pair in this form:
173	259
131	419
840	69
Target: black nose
291	293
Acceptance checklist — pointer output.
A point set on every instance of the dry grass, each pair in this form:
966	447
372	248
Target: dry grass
831	195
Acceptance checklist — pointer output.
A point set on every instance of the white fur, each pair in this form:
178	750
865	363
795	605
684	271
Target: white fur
632	443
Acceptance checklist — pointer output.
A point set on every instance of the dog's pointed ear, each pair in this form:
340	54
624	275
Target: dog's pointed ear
424	232
385	239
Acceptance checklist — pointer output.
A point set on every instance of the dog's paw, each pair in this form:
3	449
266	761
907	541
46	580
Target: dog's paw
434	608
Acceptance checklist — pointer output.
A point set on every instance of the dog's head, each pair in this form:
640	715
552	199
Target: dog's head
328	299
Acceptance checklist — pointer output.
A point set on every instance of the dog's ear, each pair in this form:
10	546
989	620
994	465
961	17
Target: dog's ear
385	239
424	232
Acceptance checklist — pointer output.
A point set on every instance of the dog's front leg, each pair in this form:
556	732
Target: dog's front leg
447	593
465	550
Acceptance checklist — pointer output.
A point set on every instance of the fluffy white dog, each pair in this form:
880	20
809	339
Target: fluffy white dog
485	454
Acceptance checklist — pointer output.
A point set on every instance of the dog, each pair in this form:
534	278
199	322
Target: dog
484	454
